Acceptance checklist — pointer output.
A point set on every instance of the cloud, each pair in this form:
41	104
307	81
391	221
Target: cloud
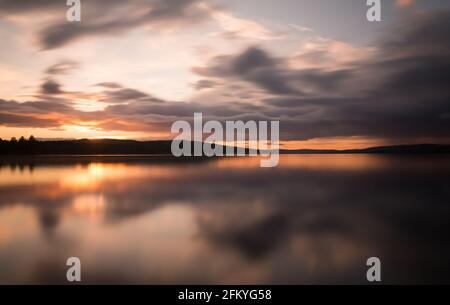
62	68
51	87
111	85
107	17
300	28
205	84
259	67
124	95
234	27
397	91
14	120
253	65
12	6
104	17
42	114
404	3
329	54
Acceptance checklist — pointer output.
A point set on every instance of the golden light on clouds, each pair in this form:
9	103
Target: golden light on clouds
338	143
324	77
404	3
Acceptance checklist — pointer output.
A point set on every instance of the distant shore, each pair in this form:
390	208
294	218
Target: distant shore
109	148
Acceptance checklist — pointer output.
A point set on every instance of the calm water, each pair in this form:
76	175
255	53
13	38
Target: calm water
313	219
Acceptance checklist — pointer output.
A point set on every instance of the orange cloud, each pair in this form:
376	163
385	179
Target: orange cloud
404	3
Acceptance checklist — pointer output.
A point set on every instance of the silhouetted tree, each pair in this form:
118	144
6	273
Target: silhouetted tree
13	140
32	139
22	139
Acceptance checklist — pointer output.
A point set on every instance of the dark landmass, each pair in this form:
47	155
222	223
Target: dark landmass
85	147
394	149
131	147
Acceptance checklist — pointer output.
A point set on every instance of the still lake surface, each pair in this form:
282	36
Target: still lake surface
314	219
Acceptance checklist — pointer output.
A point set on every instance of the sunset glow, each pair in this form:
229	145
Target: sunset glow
327	80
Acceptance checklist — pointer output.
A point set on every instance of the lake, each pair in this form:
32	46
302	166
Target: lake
314	219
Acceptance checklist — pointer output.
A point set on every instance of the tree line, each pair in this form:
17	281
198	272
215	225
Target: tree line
30	146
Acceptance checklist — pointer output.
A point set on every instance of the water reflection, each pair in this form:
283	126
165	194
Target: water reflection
313	219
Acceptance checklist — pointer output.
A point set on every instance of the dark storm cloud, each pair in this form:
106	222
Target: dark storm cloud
109	17
415	58
258	67
104	17
51	87
401	93
253	65
425	33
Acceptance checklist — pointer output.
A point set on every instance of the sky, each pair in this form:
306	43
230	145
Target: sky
130	69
